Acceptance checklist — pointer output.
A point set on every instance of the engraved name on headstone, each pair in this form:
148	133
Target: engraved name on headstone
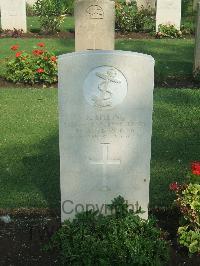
105	128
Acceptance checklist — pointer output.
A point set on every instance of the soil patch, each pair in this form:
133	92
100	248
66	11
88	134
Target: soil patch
71	34
58	35
169	83
22	239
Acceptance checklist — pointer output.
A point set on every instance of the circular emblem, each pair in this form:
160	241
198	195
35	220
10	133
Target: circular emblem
105	87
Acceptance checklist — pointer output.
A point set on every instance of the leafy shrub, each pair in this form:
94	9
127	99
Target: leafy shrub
189	238
187	8
187	28
130	19
168	31
188	201
40	66
15	33
51	14
69	6
122	238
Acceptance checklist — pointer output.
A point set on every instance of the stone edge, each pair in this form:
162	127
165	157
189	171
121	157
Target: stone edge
105	52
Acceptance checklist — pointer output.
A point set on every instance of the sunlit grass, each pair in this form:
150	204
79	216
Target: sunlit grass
29	156
174	58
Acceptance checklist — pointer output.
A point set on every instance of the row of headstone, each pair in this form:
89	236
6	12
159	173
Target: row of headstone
13	15
105	106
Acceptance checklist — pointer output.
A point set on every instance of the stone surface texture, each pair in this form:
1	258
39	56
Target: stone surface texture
13	15
94	24
168	13
105	106
195	2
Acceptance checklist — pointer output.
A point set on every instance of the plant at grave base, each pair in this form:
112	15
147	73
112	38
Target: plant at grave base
196	75
168	31
39	66
51	14
121	238
187	28
188	201
130	19
15	33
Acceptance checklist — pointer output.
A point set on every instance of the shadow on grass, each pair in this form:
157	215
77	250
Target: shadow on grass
30	175
30	171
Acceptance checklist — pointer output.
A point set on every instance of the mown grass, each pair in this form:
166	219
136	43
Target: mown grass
29	156
33	24
174	58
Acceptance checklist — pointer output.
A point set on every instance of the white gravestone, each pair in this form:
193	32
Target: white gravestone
195	2
168	13
13	15
31	2
94	25
105	102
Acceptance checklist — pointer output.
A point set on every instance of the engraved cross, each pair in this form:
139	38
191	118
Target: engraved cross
104	162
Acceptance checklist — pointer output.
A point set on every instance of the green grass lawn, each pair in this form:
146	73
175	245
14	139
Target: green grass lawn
33	24
174	58
29	156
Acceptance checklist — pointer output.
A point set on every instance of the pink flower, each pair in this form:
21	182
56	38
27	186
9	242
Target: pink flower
18	54
14	47
40	70
196	168
174	186
53	58
38	52
41	44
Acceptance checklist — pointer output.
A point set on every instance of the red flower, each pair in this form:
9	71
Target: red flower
38	52
14	47
174	186
53	58
18	54
196	168
41	44
40	70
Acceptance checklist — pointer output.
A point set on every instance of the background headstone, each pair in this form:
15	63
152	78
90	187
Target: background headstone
168	13
105	102
94	25
195	2
31	2
13	15
197	42
146	4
